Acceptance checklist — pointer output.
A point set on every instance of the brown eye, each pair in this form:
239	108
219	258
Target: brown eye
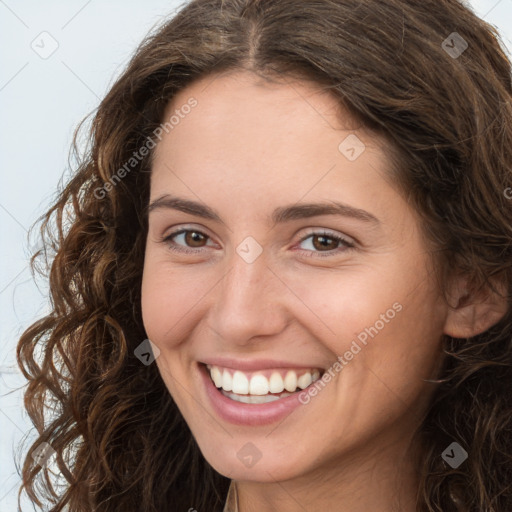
322	242
186	240
327	243
194	238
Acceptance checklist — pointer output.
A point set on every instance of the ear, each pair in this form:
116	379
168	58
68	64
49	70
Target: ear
472	312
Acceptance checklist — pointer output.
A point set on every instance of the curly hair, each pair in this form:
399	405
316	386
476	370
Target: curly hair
120	441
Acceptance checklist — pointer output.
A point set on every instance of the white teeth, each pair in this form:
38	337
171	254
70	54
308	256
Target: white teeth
216	376
240	383
257	385
276	383
290	381
227	381
304	381
249	399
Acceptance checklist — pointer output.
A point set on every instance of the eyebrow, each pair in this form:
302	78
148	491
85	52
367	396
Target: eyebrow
279	215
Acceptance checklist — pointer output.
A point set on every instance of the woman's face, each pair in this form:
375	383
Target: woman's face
264	286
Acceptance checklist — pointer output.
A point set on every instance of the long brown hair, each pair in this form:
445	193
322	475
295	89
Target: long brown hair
442	100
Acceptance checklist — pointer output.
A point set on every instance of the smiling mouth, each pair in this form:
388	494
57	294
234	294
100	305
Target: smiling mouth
262	386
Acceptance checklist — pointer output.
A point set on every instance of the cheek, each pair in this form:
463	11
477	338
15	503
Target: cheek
171	301
342	305
385	319
388	355
165	301
159	299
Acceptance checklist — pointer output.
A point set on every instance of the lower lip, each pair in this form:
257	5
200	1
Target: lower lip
248	414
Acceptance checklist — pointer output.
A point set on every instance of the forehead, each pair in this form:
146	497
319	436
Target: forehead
242	122
234	85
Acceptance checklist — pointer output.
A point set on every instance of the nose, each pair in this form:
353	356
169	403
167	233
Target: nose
248	302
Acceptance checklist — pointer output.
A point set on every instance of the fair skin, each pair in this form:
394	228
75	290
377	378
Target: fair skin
247	148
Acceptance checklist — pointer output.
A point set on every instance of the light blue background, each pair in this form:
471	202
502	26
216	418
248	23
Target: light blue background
42	101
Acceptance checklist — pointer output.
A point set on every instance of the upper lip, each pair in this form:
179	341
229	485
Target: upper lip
255	364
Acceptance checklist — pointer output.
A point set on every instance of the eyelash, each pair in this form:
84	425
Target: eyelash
322	254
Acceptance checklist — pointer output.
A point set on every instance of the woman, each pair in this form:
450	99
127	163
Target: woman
286	271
